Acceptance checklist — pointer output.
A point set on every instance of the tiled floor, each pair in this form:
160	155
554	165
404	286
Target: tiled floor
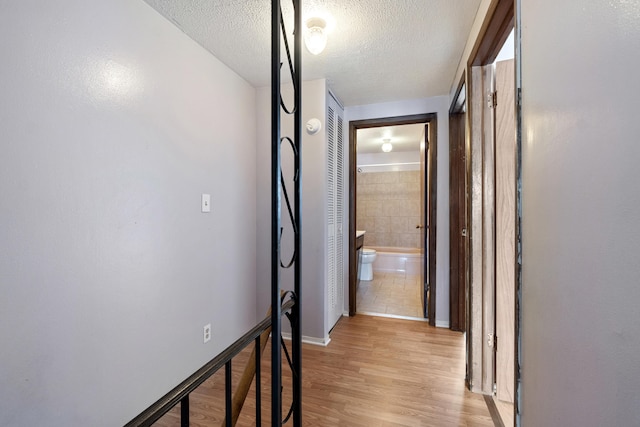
390	293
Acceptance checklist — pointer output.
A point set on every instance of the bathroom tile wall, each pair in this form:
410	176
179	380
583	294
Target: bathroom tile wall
388	208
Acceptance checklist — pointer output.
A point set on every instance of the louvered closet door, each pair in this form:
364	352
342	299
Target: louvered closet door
335	212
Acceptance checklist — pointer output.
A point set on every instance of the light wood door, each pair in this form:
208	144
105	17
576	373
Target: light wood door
482	223
488	231
505	228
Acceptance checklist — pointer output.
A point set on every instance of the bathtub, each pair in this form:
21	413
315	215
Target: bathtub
397	260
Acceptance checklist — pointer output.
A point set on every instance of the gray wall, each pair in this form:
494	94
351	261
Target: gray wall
314	210
581	204
113	124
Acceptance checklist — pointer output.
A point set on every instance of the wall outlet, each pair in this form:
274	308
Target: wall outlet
206	334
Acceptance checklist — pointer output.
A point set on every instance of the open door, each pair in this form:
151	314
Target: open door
431	214
493	216
423	226
505	229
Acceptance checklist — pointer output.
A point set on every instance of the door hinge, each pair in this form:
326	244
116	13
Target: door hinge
492	341
492	99
495	388
464	232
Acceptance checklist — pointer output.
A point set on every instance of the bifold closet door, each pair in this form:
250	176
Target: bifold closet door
335	211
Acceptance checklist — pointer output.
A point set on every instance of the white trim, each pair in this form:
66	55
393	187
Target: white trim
442	324
393	316
388	164
309	340
335	98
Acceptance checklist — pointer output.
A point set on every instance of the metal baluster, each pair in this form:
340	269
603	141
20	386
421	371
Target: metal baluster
184	411
296	333
227	394
258	394
276	379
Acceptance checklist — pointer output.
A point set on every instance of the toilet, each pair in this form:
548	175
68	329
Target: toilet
366	264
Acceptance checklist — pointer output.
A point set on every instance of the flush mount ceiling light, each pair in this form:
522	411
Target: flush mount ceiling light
315	35
386	147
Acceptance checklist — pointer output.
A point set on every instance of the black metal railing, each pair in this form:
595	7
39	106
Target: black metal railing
278	187
180	394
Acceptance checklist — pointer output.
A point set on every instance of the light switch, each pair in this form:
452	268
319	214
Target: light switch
206	203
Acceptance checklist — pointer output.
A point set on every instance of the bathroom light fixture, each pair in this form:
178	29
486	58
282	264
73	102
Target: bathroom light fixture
386	147
315	35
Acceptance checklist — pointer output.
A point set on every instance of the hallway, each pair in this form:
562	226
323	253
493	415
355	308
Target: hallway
375	372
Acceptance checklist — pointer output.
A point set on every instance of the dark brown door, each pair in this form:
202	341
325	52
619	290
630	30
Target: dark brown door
424	274
458	259
432	209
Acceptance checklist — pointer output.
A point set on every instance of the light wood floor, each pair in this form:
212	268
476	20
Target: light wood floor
505	409
375	372
390	293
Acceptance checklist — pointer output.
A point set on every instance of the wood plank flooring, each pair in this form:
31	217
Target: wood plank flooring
505	409
375	372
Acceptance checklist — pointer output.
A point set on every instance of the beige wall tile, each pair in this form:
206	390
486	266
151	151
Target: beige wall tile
388	208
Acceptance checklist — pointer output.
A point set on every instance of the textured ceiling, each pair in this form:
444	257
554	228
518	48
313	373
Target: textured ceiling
380	50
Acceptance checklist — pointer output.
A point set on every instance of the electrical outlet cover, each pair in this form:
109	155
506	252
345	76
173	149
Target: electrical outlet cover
207	333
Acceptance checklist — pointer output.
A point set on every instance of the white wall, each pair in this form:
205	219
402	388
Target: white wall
581	204
314	182
113	124
483	8
439	105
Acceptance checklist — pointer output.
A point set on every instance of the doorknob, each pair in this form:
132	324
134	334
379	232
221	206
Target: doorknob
419	226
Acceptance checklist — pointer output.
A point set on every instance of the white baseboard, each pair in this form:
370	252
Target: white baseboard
442	324
309	340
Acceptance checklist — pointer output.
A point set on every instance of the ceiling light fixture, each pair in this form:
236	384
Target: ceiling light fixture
386	147
315	35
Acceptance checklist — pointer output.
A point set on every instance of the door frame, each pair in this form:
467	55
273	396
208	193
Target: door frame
430	119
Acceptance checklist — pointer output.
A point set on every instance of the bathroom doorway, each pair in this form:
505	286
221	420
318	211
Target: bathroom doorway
389	201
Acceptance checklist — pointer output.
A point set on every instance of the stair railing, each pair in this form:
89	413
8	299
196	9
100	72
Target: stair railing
180	393
279	35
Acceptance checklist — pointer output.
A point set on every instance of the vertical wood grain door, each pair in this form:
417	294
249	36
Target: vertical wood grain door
488	229
505	132
482	319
